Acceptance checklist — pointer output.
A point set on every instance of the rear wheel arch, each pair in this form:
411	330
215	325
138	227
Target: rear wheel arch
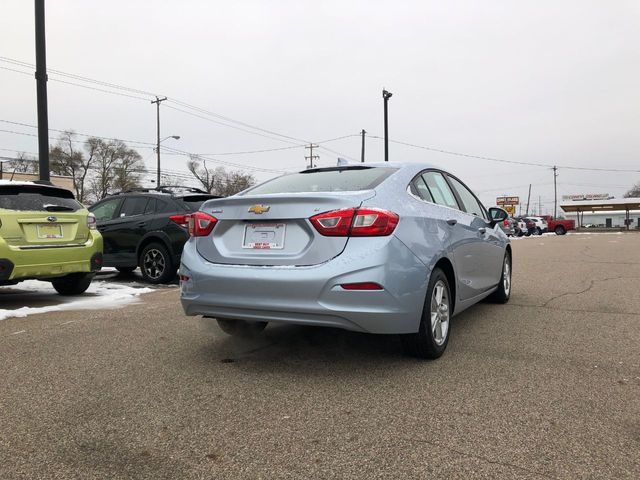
446	266
154	238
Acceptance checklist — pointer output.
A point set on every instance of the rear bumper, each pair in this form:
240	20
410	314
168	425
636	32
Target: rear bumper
312	295
51	262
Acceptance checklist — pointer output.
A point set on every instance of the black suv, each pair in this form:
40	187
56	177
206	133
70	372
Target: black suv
138	230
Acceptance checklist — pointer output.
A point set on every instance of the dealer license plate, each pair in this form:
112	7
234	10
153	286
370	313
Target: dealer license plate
264	236
53	230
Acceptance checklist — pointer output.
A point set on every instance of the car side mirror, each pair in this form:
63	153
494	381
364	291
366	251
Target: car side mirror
497	215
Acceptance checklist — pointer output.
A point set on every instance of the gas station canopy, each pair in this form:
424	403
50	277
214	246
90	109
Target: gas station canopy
612	205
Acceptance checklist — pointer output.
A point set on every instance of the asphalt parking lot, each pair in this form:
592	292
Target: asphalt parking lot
545	386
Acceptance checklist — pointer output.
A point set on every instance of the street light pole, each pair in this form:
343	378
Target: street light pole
157	102
386	96
41	89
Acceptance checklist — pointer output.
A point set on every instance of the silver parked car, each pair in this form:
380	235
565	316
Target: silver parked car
379	248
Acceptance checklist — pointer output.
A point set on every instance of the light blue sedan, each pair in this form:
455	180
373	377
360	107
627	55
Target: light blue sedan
378	248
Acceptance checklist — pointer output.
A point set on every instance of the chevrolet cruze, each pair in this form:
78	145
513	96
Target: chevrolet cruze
378	248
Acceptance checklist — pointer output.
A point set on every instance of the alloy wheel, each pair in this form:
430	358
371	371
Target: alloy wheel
506	275
440	313
154	263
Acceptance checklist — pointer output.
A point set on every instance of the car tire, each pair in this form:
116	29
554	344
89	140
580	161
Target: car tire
126	269
156	265
537	231
432	337
241	328
73	284
560	230
503	293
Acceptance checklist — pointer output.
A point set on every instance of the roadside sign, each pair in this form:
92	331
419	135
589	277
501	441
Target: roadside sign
508	201
587	196
510	209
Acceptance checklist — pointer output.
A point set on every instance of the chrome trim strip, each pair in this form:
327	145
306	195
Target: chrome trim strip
40	247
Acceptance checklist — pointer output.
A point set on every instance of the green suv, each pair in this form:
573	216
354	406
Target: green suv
45	234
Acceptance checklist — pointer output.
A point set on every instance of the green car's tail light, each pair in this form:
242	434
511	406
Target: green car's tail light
91	221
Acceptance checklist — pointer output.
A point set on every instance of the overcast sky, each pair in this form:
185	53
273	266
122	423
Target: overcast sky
550	82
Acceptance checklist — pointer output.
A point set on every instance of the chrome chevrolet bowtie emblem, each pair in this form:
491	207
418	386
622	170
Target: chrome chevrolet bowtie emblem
259	209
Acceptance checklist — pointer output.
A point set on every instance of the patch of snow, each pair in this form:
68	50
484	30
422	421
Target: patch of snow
100	295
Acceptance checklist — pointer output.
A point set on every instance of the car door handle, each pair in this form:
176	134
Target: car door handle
482	230
452	221
142	224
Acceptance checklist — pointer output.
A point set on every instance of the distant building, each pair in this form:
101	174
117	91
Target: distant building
607	213
58	180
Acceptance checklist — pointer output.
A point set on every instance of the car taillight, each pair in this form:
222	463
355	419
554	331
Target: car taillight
91	221
201	224
506	223
336	223
355	222
182	220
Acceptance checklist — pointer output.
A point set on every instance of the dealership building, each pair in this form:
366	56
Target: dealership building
604	212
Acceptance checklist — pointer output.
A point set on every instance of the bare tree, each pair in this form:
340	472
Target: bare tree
634	191
127	170
203	174
68	160
218	180
108	156
229	183
23	163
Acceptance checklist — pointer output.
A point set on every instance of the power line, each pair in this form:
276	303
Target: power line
280	136
152	145
481	157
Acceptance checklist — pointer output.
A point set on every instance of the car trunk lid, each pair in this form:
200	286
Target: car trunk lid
274	229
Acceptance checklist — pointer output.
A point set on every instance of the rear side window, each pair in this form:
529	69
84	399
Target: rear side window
133	206
469	201
37	198
325	180
105	210
151	207
439	188
420	189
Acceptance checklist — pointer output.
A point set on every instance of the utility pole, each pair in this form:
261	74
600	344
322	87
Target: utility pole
539	205
386	96
555	191
41	89
157	102
528	199
362	150
311	156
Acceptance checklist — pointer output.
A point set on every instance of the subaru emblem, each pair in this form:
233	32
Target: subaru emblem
52	218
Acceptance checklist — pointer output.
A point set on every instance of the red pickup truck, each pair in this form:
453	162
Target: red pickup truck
558	225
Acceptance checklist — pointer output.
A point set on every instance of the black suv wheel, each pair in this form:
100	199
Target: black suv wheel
156	265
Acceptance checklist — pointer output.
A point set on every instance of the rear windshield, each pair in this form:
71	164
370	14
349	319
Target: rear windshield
37	198
193	202
325	180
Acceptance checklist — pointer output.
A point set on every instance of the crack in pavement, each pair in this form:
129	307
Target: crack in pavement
589	287
479	457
